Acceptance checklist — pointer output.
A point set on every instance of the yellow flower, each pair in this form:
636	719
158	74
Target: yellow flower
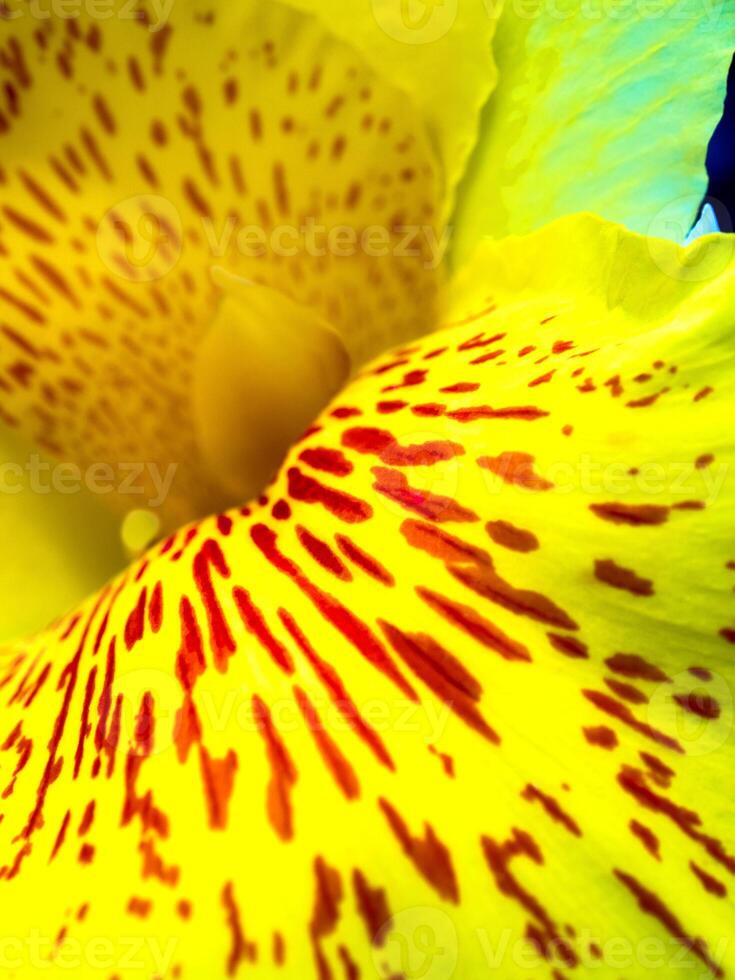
452	695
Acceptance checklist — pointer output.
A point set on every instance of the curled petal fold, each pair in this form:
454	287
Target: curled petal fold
460	686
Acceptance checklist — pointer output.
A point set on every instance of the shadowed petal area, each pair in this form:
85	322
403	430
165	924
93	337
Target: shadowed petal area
466	670
139	151
598	110
59	541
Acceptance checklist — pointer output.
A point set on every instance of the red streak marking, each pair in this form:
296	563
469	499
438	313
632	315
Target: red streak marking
658	770
429	855
187	729
325	915
626	691
85	726
561	346
345	412
354	630
388	407
511	537
610	573
327	460
623	713
155	608
338	693
651	904
323	554
135	625
224	525
190	662
461	388
443	674
570	646
429	410
281	510
384	445
394	485
218	777
635	667
542	379
602	736
410	380
475	625
340	769
255	623
515	469
499	857
688	822
283	773
699	704
67	680
552	806
241	950
710	884
341	505
486	582
647	837
221	640
61	836
144	725
372	904
523	413
479	340
363	560
632	515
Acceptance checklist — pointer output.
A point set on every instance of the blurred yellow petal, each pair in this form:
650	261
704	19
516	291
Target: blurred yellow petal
439	51
138	151
59	542
457	696
600	107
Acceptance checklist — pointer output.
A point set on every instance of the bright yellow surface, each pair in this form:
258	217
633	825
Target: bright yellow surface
542	496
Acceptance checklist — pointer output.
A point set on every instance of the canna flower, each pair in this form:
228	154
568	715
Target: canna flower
450	694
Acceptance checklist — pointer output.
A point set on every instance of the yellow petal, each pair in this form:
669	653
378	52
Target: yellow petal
439	51
137	153
457	695
599	108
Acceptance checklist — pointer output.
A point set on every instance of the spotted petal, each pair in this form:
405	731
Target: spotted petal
439	51
603	108
456	697
140	148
